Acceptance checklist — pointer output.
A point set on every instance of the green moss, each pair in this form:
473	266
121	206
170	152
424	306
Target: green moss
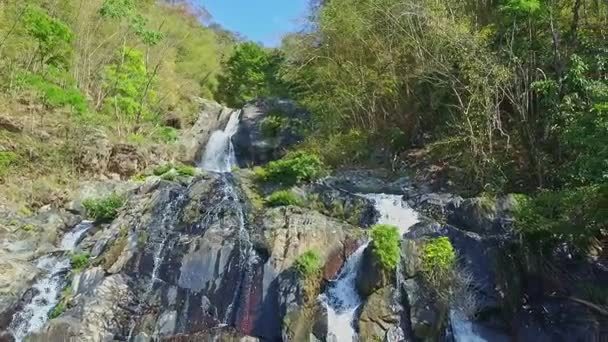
140	177
169	176
28	228
437	261
79	261
385	245
309	264
282	198
103	209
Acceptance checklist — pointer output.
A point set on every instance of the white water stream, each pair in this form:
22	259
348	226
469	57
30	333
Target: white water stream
219	153
47	289
341	298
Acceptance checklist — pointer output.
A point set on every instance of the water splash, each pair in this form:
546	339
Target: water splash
219	153
462	328
46	291
341	297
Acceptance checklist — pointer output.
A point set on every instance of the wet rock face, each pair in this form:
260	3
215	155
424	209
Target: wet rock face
259	141
371	276
378	321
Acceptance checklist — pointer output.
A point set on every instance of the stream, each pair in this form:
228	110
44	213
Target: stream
45	294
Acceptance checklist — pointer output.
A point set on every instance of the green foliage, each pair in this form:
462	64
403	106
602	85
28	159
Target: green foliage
140	177
272	125
7	159
283	198
575	216
128	86
309	264
55	96
186	170
169	176
52	35
162	169
28	228
79	261
250	72
57	310
166	134
292	169
385	245
340	149
103	209
438	261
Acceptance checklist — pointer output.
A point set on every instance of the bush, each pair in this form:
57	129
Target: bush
271	126
283	197
166	134
385	245
57	310
79	261
292	169
185	170
103	209
7	159
309	263
438	261
551	218
162	169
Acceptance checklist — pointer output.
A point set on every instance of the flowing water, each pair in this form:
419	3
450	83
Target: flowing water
219	153
46	292
463	329
341	298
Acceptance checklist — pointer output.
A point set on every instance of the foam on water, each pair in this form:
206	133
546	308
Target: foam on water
219	153
46	291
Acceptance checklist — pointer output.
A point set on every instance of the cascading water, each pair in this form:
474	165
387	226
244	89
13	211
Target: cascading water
463	329
219	153
341	297
47	290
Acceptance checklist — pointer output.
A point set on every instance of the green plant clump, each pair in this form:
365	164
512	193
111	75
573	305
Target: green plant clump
294	168
283	197
162	169
186	170
385	245
7	159
79	261
309	263
103	209
57	310
438	261
271	126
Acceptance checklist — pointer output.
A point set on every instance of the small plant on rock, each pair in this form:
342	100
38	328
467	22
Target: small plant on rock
103	209
385	245
309	263
79	261
283	197
271	126
294	168
438	261
162	169
185	170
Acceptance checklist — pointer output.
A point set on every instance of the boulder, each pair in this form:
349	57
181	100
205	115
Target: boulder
8	124
341	204
94	153
377	317
126	160
367	181
427	316
371	276
254	145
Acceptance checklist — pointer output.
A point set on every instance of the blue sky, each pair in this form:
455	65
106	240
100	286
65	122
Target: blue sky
259	20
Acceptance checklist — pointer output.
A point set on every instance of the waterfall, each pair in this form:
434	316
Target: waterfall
463	329
219	153
47	290
341	297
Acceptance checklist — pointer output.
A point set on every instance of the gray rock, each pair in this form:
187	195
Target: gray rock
85	282
252	147
166	323
8	124
371	276
377	317
368	181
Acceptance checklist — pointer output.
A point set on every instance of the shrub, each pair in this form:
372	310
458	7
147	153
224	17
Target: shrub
292	169
309	263
57	310
271	126
185	170
166	134
169	176
140	177
162	169
7	159
385	245
283	197
79	261
438	261
103	209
